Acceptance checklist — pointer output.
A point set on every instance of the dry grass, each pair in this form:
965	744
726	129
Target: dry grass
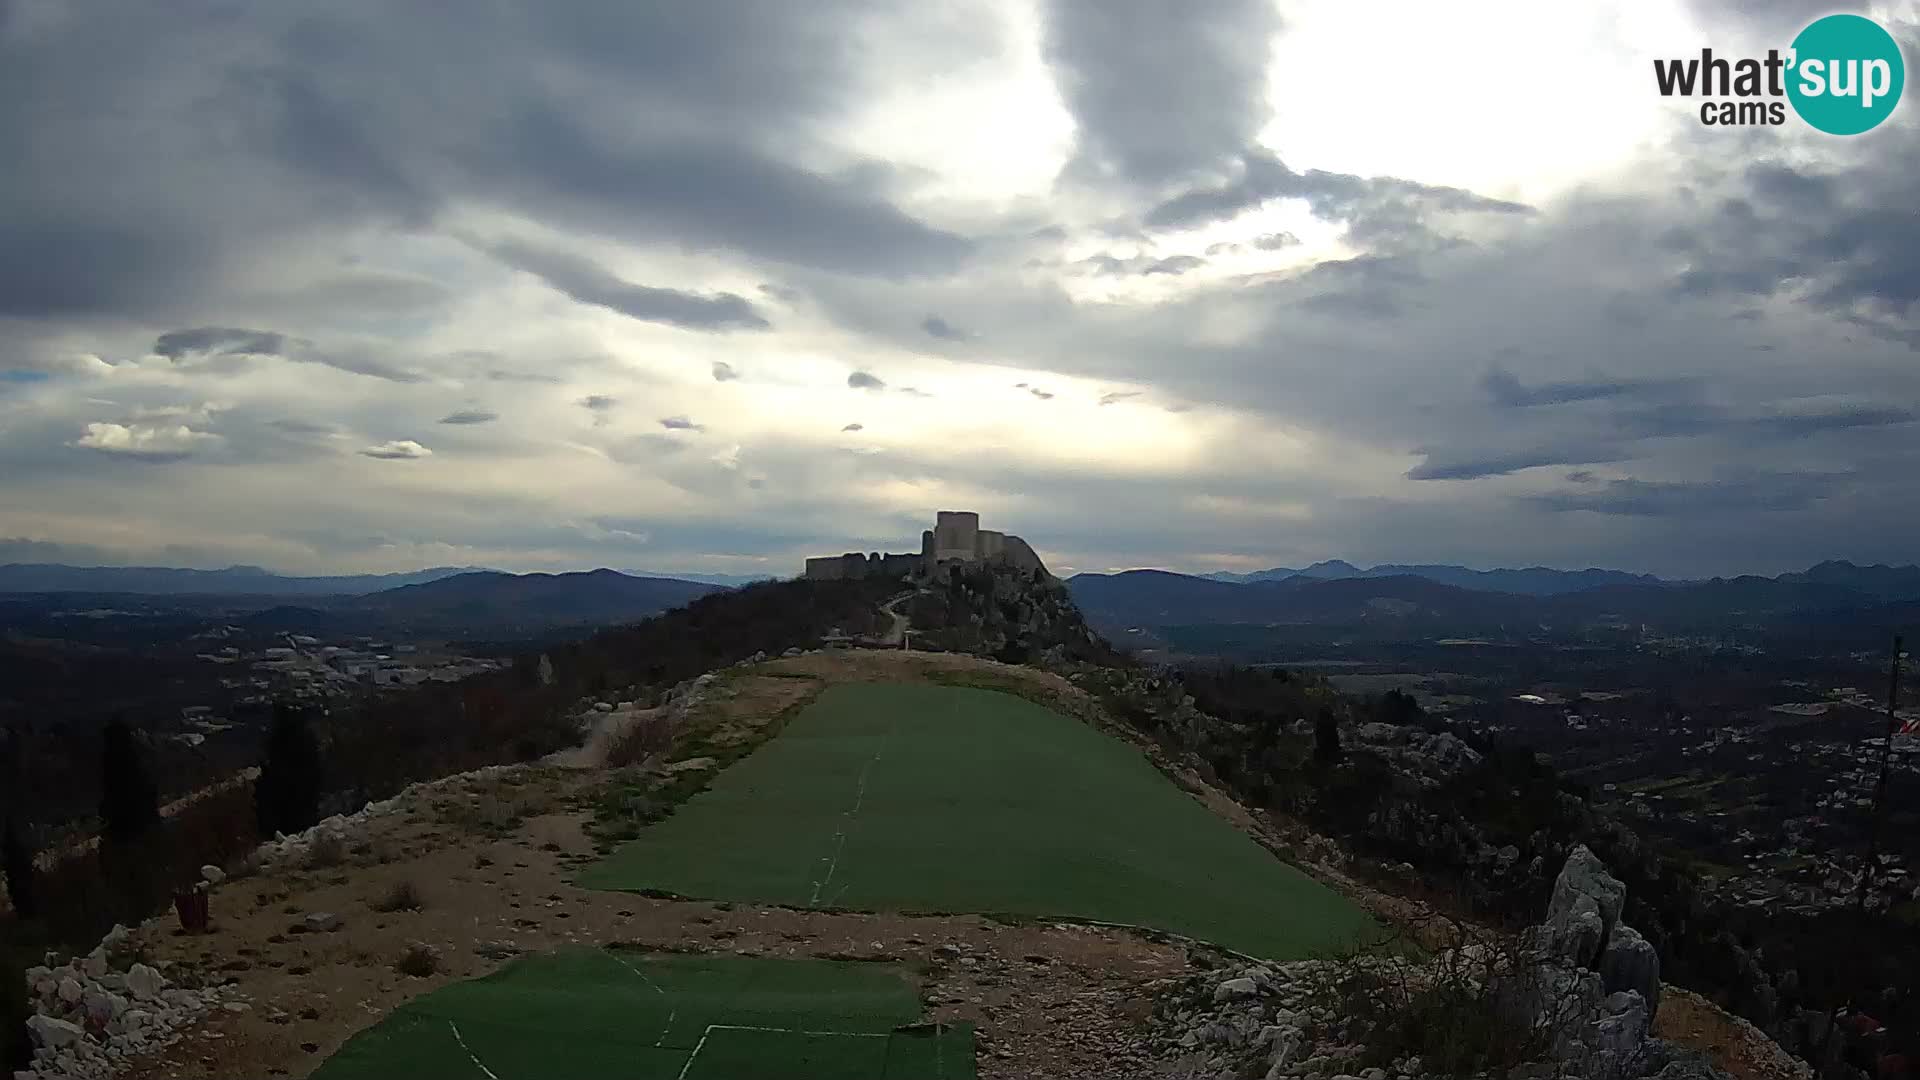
642	739
403	896
326	852
418	961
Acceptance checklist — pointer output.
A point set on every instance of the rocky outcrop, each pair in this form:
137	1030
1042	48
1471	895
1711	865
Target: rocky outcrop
1629	963
1428	757
1590	977
1583	887
94	1013
1282	1022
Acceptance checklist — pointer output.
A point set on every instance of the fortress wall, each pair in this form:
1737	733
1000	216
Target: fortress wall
956	535
899	565
827	568
991	544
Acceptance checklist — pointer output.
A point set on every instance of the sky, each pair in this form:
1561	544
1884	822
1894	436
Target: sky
360	287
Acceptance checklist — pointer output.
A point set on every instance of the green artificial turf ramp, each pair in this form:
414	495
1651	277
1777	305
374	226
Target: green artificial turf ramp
592	1014
884	797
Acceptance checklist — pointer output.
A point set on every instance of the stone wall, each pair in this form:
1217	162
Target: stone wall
956	535
854	566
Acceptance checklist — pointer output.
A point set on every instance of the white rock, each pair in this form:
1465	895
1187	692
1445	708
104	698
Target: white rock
212	874
52	1033
70	990
102	1006
1235	988
144	983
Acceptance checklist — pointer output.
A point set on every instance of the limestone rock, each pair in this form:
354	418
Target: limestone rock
70	990
212	874
54	1034
321	922
1577	935
1585	875
144	983
1235	988
1629	962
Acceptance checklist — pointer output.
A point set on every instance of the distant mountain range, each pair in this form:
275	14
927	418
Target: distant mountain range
254	581
1531	581
1892	582
1412	605
528	602
232	581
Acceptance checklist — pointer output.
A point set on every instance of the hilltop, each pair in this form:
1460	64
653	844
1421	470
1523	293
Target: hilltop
1404	820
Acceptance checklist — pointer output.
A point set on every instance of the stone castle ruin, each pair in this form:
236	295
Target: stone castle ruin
956	537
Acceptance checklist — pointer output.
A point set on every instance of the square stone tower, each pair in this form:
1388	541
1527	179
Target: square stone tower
956	535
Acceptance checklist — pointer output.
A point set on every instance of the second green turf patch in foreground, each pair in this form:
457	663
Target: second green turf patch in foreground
592	1014
933	798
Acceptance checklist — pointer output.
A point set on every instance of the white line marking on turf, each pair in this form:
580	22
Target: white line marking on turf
711	1028
846	819
696	1053
470	1054
673	1011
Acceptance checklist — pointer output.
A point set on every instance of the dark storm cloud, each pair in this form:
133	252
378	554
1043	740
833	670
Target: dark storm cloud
936	326
1795	425
1381	213
1158	91
227	345
597	402
227	340
701	191
1837	236
67	268
866	380
680	423
590	283
155	154
854	427
1437	467
1506	389
470	417
1373	286
1275	241
724	372
1740	492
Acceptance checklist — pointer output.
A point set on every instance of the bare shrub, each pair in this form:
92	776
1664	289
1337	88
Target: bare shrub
404	896
1480	1005
325	852
641	740
418	961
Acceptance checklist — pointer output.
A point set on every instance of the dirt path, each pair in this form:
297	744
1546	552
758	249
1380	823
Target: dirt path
898	631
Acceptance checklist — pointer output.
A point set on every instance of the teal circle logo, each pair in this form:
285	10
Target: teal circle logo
1847	74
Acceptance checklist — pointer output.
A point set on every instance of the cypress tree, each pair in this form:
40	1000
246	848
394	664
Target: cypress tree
286	798
129	799
17	856
1326	737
